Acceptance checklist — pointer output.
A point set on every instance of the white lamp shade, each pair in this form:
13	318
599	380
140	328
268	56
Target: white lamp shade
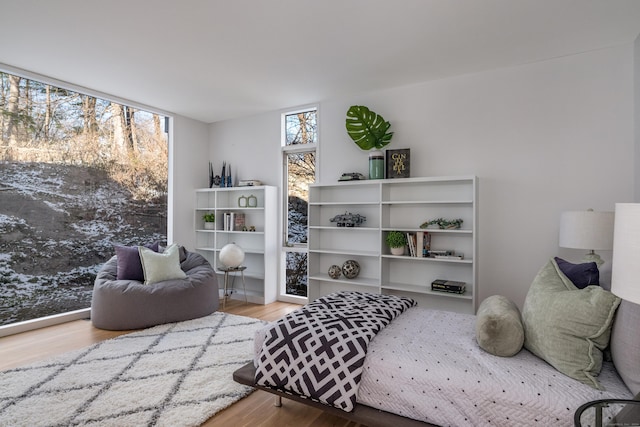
586	230
625	271
231	255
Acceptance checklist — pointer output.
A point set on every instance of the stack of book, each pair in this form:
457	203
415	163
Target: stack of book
451	286
419	244
233	221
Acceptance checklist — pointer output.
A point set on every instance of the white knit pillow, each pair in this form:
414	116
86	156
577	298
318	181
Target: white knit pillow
158	267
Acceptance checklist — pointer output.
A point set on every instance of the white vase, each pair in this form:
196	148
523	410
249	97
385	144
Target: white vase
397	251
209	225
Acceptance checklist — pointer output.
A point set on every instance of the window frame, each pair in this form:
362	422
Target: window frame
285	150
85	313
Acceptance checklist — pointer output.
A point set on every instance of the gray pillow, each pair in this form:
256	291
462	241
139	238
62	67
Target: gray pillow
499	329
566	326
625	344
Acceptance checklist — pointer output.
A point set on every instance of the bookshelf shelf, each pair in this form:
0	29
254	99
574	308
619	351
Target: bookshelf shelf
402	205
260	246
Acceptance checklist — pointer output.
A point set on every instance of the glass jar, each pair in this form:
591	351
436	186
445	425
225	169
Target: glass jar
376	164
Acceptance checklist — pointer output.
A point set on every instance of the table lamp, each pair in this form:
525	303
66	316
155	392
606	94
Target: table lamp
626	252
587	230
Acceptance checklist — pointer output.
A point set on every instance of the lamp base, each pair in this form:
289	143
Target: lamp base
593	257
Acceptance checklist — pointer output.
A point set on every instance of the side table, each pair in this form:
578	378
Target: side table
226	271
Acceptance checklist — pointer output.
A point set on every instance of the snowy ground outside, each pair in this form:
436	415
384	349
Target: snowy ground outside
58	225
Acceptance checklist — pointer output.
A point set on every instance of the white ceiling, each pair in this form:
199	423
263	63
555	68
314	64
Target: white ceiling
218	59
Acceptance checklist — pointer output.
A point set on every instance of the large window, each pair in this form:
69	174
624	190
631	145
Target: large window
78	174
300	138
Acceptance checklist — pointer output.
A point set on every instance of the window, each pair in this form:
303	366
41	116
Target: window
300	138
78	174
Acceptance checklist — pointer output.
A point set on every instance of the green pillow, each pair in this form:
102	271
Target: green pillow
160	267
499	329
566	326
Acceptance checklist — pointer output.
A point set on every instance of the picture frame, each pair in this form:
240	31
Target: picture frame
398	163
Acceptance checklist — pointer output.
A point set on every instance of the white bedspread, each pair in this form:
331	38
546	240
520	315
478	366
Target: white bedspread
427	365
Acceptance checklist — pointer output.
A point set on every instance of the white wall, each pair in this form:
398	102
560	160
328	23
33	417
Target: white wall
636	114
188	170
542	138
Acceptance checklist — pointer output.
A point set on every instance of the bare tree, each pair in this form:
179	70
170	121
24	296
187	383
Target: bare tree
119	147
12	110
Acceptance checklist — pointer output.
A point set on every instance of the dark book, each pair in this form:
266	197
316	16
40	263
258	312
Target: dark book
450	291
398	163
448	286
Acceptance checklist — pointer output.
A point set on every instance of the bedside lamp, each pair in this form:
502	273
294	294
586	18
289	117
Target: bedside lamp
587	230
626	252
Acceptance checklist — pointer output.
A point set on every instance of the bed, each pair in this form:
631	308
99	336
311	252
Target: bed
426	368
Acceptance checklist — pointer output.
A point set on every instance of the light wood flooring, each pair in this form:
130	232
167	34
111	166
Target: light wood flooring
257	409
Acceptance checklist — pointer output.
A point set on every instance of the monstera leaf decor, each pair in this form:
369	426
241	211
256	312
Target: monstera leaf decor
367	129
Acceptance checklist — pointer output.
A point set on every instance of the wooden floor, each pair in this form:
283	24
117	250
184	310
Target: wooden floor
257	409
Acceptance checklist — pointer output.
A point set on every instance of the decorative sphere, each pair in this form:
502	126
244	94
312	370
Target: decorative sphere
335	271
231	255
350	269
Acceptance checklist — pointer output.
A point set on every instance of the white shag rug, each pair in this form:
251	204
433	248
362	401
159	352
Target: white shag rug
178	374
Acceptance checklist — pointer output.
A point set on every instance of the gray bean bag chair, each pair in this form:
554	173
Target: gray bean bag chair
130	304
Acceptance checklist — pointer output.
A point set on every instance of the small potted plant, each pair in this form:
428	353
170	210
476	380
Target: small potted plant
209	221
396	240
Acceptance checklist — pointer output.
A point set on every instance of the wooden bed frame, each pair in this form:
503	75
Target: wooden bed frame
362	414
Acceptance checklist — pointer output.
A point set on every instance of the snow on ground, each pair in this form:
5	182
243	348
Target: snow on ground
58	225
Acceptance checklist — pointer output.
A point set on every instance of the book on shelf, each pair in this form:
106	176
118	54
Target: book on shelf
238	224
229	218
411	244
443	285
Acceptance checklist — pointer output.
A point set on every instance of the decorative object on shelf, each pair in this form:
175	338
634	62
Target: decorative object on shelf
229	182
352	176
252	201
369	131
443	224
209	221
249	183
587	230
348	219
211	177
335	271
231	255
351	269
396	240
376	164
223	176
399	163
242	201
366	128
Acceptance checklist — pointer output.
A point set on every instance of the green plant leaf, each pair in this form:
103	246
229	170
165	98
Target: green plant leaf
367	129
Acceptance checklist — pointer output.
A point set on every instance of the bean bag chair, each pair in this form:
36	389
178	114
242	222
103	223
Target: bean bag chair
130	304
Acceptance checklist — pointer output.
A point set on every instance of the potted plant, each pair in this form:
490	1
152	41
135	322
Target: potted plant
369	131
209	221
396	240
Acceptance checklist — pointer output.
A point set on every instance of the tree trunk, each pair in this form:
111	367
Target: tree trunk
90	128
157	128
12	110
129	114
119	148
47	112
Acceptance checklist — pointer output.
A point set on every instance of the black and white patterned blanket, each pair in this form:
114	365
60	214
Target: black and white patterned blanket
318	350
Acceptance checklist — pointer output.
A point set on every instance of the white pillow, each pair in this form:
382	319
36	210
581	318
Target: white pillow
158	267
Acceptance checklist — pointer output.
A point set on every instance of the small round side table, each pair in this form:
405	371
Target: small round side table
226	271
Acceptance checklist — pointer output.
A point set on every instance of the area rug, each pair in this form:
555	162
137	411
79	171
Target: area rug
179	374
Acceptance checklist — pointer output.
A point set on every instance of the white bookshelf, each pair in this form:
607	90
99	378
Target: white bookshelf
395	204
260	246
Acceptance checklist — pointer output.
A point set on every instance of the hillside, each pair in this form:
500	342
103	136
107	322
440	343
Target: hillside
58	224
